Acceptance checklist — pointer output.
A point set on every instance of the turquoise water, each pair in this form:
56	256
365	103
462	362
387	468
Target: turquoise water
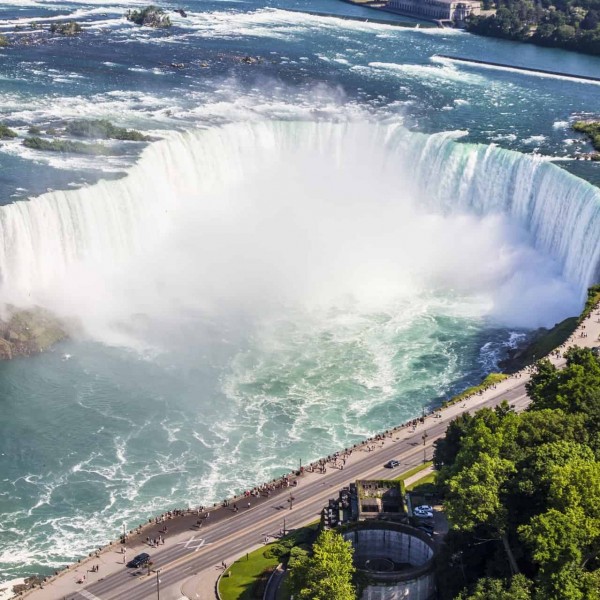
305	259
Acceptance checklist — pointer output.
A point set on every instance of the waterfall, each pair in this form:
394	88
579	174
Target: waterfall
105	223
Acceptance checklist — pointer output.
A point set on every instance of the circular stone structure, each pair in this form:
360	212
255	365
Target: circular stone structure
396	559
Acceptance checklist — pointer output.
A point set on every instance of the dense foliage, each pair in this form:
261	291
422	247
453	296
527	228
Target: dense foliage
327	573
522	492
571	24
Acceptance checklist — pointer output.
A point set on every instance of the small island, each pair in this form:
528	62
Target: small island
6	133
68	29
592	130
151	16
93	129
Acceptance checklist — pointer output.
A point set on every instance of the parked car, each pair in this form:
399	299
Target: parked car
423	514
391	464
424	507
139	560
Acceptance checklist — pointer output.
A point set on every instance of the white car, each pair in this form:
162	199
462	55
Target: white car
424	507
424	514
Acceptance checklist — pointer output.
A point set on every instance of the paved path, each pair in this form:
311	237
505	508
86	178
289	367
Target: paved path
190	560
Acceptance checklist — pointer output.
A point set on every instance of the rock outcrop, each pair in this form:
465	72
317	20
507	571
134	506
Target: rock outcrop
24	332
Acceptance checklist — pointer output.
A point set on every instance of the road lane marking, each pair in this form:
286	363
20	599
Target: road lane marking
88	595
194	544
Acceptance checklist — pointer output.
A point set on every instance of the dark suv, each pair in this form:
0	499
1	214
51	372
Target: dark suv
391	464
139	560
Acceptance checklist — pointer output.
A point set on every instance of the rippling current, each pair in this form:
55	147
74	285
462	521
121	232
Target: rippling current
316	246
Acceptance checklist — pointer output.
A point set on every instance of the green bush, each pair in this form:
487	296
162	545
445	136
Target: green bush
4	41
278	551
6	133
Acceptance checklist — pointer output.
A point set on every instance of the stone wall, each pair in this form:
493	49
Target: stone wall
411	551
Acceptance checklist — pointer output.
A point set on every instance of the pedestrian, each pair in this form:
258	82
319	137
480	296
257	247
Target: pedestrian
248	504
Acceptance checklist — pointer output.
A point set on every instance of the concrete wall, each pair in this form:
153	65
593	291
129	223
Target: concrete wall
422	588
398	546
403	546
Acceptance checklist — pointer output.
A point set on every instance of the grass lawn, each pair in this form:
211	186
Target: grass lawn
414	470
243	575
244	581
489	381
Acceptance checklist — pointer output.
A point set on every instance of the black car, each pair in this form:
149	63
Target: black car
139	560
391	464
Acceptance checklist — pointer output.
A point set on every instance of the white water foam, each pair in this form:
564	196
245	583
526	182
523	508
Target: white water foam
98	234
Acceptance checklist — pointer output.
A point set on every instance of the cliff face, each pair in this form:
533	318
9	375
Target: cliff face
27	332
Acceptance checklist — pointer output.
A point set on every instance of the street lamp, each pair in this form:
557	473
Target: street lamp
157	584
424	438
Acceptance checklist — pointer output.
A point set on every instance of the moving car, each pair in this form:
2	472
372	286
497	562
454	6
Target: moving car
139	560
391	464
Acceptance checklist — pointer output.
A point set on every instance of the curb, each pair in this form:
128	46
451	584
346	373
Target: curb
269	583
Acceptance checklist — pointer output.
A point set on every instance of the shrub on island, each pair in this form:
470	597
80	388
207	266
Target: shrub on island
69	28
4	41
151	16
103	129
6	133
66	146
591	129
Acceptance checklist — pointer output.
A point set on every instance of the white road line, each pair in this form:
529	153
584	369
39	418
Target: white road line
88	595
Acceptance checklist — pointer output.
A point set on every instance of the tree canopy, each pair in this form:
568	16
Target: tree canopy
327	573
522	492
571	24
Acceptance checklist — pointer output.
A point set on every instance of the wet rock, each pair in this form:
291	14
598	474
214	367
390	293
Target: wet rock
24	332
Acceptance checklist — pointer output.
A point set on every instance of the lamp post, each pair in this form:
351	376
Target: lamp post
157	584
284	526
424	438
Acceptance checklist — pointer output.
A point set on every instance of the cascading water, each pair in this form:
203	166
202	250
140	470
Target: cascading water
100	226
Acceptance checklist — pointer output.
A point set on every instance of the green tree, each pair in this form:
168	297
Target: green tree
565	539
474	499
516	588
327	574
